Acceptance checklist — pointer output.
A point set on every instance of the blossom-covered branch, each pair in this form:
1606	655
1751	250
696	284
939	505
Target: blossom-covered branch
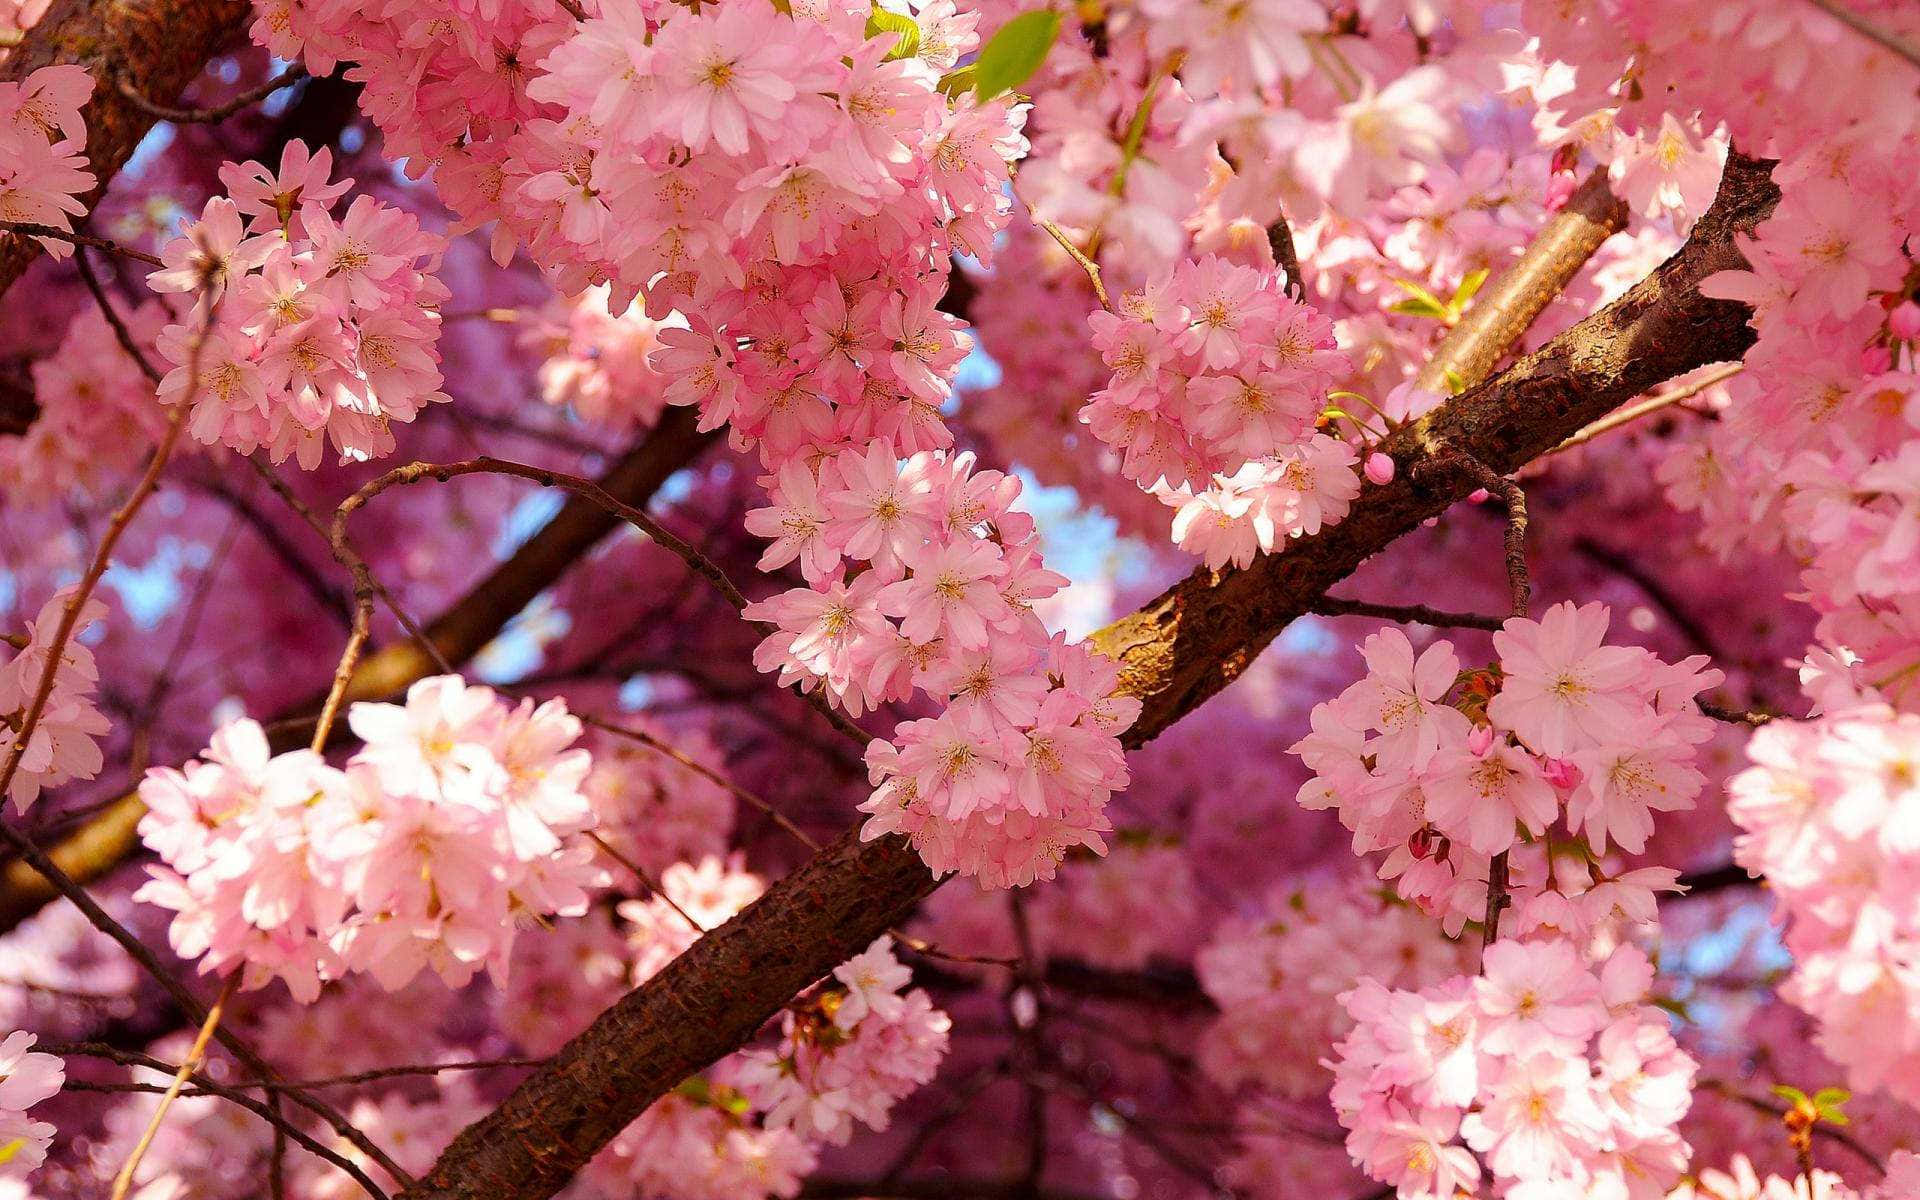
1176	652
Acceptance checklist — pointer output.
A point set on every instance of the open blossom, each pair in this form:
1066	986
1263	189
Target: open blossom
458	818
1215	367
65	743
1560	687
43	164
26	1078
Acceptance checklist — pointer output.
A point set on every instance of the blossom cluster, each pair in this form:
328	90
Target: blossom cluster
1740	1181
305	328
97	416
1444	770
1553	1069
846	1058
1277	978
1214	367
26	1078
457	819
1830	811
66	740
1017	768
43	140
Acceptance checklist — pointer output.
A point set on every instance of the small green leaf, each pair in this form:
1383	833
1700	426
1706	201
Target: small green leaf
1827	1105
1013	54
1419	306
1456	382
1792	1095
1672	1004
1468	289
1419	293
958	80
882	21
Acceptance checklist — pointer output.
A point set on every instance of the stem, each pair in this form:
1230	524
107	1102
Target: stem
188	1065
1867	29
1077	255
208	116
1652	404
33	229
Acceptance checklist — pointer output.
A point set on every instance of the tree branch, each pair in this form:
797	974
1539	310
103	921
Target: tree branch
156	46
1507	306
1175	653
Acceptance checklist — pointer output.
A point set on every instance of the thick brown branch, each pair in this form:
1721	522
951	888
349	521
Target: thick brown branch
1507	306
155	46
459	633
1175	653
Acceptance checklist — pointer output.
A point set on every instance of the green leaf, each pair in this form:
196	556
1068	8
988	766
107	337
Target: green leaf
1419	293
1827	1102
1013	54
958	80
882	21
1456	382
1792	1095
1420	306
1468	289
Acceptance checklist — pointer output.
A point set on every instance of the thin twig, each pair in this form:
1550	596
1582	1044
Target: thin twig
120	331
699	563
196	1054
1885	38
693	764
204	1086
37	858
208	116
83	591
1652	404
641	873
31	229
1077	255
1519	590
1335	606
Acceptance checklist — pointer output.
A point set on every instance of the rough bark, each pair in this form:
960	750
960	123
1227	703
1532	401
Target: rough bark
157	46
109	837
1176	652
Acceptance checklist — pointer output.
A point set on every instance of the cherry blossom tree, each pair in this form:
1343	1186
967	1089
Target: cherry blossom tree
1147	598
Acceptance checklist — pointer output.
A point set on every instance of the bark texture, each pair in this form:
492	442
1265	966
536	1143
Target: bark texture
157	46
1176	652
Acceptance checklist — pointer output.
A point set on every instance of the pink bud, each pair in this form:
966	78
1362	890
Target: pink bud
1477	496
1560	773
1904	320
1420	845
1379	467
1480	740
